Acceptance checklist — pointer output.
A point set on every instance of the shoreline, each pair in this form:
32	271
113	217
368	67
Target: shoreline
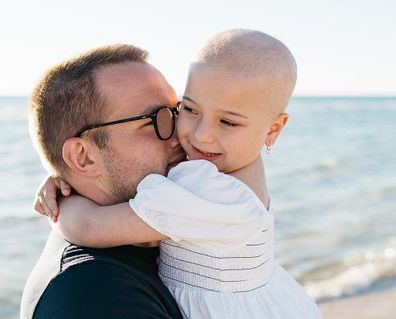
375	305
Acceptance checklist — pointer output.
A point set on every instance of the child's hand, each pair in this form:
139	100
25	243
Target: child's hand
45	202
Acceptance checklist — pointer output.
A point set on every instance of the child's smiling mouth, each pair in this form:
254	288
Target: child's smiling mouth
201	154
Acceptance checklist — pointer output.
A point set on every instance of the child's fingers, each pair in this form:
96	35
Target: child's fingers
44	204
42	207
45	200
48	210
37	205
48	201
64	187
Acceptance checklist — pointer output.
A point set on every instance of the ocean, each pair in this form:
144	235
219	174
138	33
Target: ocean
332	179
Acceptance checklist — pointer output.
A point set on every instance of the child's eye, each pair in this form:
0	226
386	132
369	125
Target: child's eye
188	109
229	123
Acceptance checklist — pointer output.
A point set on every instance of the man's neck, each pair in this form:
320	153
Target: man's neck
93	189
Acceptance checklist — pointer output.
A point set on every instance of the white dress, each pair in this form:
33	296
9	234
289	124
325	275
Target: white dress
219	262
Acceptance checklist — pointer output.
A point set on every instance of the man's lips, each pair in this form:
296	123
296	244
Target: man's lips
201	154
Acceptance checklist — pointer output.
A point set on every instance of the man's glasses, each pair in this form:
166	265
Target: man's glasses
163	120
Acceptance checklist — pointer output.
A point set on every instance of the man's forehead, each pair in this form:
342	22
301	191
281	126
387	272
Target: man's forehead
133	88
121	73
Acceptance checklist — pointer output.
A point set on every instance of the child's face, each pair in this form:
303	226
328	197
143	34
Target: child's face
222	119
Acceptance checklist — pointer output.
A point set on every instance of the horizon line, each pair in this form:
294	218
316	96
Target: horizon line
299	96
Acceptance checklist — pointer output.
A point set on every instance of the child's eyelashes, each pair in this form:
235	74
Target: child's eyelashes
188	109
192	111
229	123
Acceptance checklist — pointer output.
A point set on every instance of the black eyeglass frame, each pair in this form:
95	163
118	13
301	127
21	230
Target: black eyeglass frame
152	116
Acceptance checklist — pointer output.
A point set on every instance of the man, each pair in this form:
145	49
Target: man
74	117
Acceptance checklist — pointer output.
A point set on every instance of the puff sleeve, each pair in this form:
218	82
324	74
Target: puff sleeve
198	204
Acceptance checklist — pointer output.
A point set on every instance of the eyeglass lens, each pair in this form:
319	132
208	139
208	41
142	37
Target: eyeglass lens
165	122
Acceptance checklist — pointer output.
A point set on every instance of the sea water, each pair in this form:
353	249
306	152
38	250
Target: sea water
332	180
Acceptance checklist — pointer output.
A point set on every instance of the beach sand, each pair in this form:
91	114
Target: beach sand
379	305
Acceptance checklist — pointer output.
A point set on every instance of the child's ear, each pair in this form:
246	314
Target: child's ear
79	156
275	129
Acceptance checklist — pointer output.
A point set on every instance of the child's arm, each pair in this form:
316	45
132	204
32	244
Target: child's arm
178	208
83	222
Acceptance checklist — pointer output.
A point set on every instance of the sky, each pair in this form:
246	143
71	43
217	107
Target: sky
342	47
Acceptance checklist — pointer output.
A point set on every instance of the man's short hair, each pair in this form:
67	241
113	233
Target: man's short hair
67	98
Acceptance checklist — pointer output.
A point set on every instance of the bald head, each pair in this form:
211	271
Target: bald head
249	53
253	55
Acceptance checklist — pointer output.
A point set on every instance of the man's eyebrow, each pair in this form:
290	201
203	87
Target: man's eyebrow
222	111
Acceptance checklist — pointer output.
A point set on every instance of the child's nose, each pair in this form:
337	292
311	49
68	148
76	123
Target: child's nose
204	132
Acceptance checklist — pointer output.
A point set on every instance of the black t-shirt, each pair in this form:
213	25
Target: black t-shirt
77	282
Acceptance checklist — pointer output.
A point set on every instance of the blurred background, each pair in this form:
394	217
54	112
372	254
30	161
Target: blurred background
332	173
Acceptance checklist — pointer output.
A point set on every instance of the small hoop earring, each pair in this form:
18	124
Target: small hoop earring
268	149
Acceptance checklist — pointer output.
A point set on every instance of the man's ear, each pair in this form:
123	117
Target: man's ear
276	128
79	156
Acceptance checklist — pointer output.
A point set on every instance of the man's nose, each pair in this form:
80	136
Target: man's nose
174	140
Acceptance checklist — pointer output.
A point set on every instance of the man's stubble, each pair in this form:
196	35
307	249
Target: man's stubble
124	175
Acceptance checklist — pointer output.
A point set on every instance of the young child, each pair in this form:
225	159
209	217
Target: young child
213	212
